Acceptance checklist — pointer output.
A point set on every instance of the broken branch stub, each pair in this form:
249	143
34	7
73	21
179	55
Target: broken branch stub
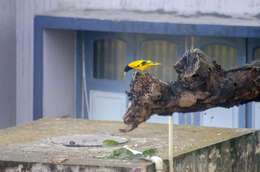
201	85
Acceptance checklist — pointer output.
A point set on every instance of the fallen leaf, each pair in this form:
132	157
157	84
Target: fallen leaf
60	160
110	143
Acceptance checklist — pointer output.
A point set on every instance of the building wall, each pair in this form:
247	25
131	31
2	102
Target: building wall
26	10
7	63
59	73
240	8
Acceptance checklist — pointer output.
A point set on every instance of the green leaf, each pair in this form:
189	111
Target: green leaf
123	153
110	143
149	152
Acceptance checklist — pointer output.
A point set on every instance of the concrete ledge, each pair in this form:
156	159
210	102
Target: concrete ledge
29	147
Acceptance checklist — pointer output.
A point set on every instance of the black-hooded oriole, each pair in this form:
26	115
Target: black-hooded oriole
139	65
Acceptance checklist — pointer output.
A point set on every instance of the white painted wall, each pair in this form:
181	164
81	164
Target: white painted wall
239	8
7	64
59	73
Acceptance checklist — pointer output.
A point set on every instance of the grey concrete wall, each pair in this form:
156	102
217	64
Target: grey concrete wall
238	154
59	73
7	63
55	167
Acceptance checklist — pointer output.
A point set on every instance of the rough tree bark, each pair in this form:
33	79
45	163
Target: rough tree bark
201	85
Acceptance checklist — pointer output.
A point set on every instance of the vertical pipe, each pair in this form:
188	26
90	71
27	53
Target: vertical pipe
170	137
83	83
79	75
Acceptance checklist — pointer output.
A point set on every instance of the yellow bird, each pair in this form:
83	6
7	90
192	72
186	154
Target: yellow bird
139	65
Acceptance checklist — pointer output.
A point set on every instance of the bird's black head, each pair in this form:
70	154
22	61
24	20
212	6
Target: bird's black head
127	68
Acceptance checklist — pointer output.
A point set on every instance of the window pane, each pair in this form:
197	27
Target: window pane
257	53
224	55
109	59
163	52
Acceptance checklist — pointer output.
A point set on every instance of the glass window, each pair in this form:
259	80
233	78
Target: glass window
163	52
109	59
224	55
257	53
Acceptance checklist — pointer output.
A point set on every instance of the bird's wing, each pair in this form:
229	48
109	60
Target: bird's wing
143	63
136	63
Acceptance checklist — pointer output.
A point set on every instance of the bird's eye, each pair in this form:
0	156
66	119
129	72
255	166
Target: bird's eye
143	63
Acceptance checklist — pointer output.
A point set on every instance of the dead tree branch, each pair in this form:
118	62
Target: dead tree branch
201	85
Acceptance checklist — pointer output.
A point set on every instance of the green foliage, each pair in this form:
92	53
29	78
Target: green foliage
149	152
110	143
123	153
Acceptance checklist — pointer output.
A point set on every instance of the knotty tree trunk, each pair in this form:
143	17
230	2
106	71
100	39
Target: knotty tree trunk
201	85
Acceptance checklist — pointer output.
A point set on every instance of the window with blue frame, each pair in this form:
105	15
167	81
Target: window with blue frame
224	55
104	76
229	53
108	53
109	59
109	56
163	52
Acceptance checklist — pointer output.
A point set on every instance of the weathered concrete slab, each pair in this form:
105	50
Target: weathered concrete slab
31	147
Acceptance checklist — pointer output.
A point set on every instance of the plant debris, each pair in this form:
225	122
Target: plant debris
124	153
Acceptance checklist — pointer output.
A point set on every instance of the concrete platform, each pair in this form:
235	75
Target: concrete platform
30	147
